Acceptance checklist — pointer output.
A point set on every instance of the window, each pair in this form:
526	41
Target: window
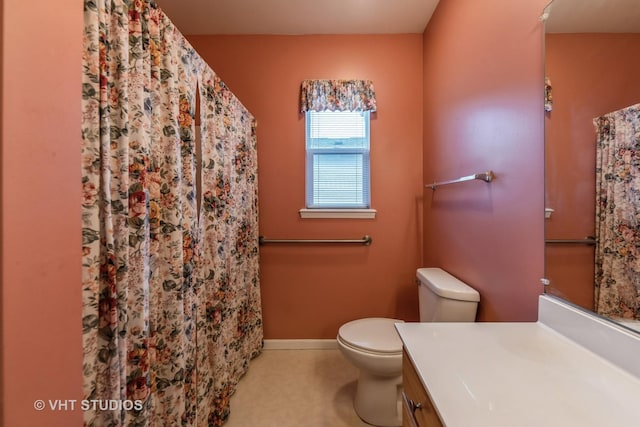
337	146
337	164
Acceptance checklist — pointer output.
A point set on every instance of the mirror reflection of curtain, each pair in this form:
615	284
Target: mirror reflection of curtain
617	287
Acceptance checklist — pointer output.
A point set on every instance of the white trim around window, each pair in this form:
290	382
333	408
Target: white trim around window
338	213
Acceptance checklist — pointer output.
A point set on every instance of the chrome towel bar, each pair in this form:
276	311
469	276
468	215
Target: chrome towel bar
590	241
366	240
488	176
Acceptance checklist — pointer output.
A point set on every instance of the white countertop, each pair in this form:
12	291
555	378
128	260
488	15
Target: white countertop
518	375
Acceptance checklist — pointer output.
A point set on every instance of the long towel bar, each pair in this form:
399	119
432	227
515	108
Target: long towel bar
488	176
366	240
590	241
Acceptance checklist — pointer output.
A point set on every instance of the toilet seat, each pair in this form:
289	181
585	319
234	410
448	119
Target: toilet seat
376	335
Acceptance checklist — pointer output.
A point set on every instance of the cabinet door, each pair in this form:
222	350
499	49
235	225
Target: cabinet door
418	408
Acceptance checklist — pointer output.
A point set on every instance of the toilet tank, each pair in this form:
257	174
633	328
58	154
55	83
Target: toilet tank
444	298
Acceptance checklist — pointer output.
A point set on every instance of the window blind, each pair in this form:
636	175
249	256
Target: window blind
337	144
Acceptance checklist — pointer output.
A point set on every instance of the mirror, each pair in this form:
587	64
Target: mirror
592	58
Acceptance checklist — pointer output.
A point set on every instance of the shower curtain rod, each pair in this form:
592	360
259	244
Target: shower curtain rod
366	240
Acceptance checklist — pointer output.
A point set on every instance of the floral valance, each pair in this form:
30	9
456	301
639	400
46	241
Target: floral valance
548	96
337	95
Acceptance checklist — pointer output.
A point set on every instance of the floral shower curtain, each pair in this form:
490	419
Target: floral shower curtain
617	275
230	326
171	301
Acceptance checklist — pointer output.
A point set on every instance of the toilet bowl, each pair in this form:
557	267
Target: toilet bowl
374	347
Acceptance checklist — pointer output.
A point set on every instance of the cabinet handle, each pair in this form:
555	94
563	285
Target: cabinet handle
411	407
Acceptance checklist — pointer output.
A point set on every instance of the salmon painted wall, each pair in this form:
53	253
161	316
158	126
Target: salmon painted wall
591	75
1	204
483	110
309	291
41	229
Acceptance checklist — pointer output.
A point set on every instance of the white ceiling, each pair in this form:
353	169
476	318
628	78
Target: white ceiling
593	16
299	16
372	16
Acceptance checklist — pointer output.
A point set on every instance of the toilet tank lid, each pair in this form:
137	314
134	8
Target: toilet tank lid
445	285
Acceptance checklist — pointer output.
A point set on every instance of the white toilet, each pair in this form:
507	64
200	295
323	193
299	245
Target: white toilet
373	345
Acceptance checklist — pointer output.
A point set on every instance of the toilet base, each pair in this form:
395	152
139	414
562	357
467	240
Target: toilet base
378	400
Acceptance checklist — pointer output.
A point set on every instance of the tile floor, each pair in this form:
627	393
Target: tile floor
296	388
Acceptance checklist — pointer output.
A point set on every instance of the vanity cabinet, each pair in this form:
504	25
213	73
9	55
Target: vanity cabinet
418	410
525	374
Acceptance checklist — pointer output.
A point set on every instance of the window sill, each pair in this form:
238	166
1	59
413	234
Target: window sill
338	213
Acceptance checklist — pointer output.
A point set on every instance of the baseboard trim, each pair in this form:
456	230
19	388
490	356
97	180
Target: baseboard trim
300	344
